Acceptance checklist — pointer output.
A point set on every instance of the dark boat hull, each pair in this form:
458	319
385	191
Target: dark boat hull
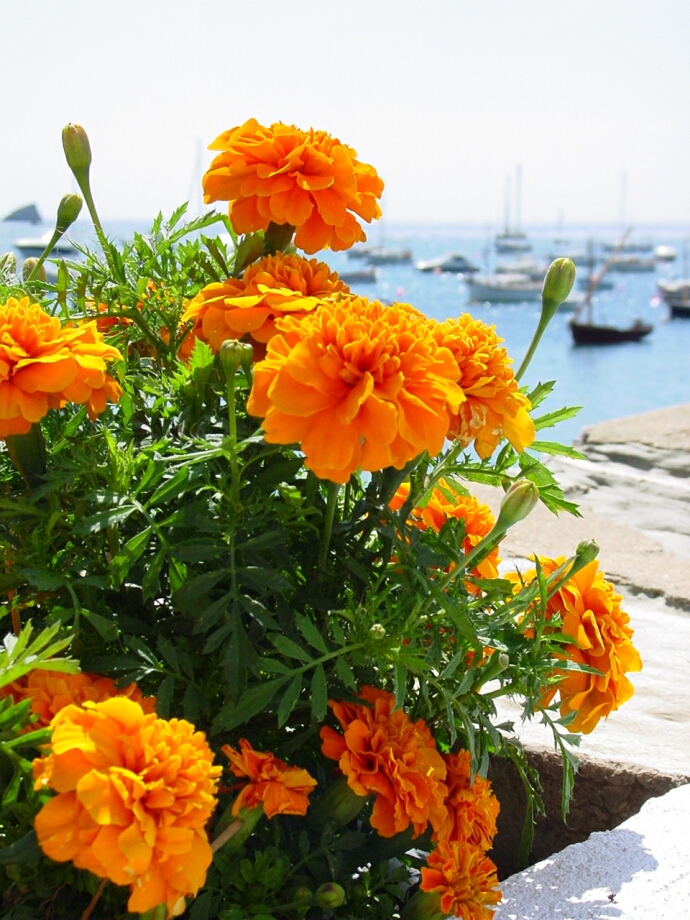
679	309
585	334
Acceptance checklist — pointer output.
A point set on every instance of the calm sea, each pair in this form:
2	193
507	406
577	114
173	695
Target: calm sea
608	382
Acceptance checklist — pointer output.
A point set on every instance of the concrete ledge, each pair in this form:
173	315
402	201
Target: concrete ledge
639	871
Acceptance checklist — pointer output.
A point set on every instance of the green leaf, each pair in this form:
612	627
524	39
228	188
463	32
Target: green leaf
289	648
22	851
43	580
290	697
553	418
133	549
551	447
262	579
106	629
103	519
170	489
344	672
253	700
249	250
400	684
198	586
540	392
319	694
164	696
169	653
150	585
311	633
190	704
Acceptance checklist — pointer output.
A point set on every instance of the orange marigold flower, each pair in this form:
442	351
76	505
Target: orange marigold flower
273	286
358	385
51	691
591	615
283	175
472	806
281	789
45	365
134	795
464	877
444	504
381	751
494	407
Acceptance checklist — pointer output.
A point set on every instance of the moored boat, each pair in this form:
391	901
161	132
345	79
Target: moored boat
33	246
627	262
506	288
360	276
596	334
380	255
453	262
672	290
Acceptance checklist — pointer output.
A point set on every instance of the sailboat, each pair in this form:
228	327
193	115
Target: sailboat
513	240
591	333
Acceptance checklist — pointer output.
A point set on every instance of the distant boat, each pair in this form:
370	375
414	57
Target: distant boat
577	257
627	262
380	255
591	333
605	284
679	307
450	262
506	288
526	265
33	246
629	247
513	240
360	276
26	215
358	252
665	253
671	290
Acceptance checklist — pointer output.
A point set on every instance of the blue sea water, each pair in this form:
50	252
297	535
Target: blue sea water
607	381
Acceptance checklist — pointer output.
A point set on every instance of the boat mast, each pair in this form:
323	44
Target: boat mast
518	195
595	281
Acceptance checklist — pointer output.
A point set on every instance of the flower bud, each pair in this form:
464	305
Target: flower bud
586	552
29	265
558	283
377	631
8	263
330	895
302	894
518	502
77	149
68	212
233	353
340	804
503	660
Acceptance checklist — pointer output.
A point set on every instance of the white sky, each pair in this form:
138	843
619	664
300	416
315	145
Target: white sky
443	97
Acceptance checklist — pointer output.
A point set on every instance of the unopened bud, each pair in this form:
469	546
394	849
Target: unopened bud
68	212
518	502
29	265
8	263
503	660
330	895
377	631
247	358
233	353
558	283
77	149
586	552
302	894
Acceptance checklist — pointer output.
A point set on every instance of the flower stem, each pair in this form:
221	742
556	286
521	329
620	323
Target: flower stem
225	835
94	900
46	252
331	504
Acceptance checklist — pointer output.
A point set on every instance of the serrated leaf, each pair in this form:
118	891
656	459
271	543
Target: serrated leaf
164	696
319	694
195	587
552	447
43	580
400	685
133	549
311	633
170	489
150	585
169	653
289	700
253	700
103	519
344	672
106	629
553	418
190	704
289	648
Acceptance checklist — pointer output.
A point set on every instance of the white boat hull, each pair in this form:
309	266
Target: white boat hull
503	289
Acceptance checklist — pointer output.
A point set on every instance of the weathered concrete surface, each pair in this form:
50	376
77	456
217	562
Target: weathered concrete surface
639	871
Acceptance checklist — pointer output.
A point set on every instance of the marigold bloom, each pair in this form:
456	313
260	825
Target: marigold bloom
51	691
591	615
494	407
283	175
273	286
45	365
464	877
358	385
134	795
281	789
477	518
382	752
472	806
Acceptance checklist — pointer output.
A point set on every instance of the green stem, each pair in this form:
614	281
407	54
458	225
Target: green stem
232	438
331	504
536	339
46	252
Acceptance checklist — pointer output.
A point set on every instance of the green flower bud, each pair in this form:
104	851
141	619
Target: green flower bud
330	895
8	263
68	212
377	631
424	905
234	353
586	552
28	453
77	149
302	894
340	804
29	265
558	283
503	660
518	502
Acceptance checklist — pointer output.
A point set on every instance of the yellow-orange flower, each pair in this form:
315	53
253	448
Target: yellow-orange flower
283	175
45	365
358	385
472	806
51	691
273	286
382	752
281	789
591	616
464	877
134	795
440	507
494	407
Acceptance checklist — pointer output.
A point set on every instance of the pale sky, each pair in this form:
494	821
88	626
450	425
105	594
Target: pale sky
443	97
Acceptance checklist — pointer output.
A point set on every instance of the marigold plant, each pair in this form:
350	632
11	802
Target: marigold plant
272	784
464	878
358	385
472	807
134	795
274	286
306	179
